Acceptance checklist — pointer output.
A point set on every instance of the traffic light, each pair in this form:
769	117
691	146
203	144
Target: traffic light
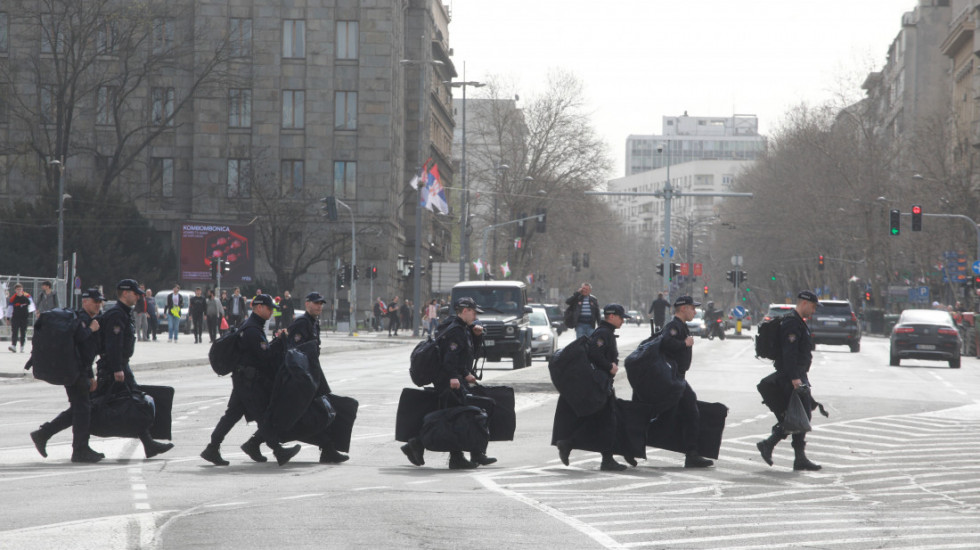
742	277
520	224
867	296
357	273
373	272
340	280
585	259
422	270
916	217
675	269
772	276
705	290
224	266
660	269
542	215
329	207
896	222
820	262
214	270
730	276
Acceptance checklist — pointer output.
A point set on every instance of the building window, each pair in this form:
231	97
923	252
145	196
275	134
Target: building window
162	175
105	38
163	106
292	174
163	34
294	38
345	179
240	108
4	32
345	111
52	35
292	108
346	40
240	37
239	174
105	100
47	106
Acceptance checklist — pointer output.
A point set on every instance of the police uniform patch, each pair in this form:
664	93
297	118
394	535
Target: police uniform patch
453	346
791	337
673	332
298	337
264	346
116	329
599	342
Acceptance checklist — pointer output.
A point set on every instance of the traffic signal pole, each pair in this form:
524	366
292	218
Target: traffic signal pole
353	264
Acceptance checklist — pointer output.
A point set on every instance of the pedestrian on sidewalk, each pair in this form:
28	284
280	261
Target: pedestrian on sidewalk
141	317
152	318
584	311
214	313
47	300
393	316
19	308
174	304
197	310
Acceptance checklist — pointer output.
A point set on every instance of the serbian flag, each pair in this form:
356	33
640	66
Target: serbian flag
478	266
530	279
434	195
505	269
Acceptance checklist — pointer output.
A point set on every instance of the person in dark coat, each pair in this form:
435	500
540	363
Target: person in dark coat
585	310
288	308
458	339
596	432
79	415
197	308
793	366
658	313
118	342
251	389
676	347
393	316
306	328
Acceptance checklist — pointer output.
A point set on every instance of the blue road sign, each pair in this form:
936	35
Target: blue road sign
976	267
738	312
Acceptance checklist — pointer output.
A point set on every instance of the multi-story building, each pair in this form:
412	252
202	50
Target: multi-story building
695	138
319	96
960	46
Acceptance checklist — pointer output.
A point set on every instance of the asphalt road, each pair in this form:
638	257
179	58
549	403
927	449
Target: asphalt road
900	469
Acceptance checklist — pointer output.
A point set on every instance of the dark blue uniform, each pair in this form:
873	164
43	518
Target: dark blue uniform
673	347
118	330
303	329
457	348
797	348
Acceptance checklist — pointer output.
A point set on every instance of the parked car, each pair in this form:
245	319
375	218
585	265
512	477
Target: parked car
778	310
835	323
544	339
185	318
637	317
697	326
556	316
927	334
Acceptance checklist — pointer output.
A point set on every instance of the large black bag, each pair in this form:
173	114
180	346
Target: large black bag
796	419
503	418
163	401
632	419
224	354
413	405
653	379
121	412
456	429
775	389
54	356
292	392
767	344
342	427
585	388
664	432
424	362
313	425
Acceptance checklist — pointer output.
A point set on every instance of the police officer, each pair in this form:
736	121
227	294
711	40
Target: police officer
571	431
79	415
306	328
118	342
793	365
458	339
676	347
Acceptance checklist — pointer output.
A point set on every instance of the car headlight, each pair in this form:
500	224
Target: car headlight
543	337
509	330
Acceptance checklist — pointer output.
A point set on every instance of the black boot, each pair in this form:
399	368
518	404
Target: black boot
283	454
152	448
609	464
802	463
40	437
329	455
482	459
694	460
630	460
564	450
414	450
768	444
251	448
458	462
86	455
212	454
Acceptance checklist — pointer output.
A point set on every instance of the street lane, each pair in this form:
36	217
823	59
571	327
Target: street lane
887	453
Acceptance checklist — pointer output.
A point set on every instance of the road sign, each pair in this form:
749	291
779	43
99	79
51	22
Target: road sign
78	281
976	267
665	251
738	312
737	261
919	294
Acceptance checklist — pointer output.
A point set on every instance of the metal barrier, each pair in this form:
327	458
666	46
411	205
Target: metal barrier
32	286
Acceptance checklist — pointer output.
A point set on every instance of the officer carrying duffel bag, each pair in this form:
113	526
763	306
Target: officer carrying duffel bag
585	388
463	428
121	412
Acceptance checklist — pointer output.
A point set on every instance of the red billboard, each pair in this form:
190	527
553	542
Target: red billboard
203	243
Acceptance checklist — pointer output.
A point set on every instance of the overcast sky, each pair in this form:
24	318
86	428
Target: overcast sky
644	59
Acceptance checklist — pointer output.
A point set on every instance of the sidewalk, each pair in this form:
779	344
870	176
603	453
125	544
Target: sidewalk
185	353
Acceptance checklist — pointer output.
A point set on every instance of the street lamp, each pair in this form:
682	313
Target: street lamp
465	199
61	217
502	168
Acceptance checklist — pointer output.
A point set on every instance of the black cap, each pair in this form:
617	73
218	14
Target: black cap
130	284
316	298
93	294
615	309
264	300
467	302
685	301
808	296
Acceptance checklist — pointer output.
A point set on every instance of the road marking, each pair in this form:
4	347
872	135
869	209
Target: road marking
376	488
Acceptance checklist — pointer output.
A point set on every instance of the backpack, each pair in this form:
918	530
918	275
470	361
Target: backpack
767	345
224	354
424	366
54	356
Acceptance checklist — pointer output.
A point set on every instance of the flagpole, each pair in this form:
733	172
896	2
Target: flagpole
417	272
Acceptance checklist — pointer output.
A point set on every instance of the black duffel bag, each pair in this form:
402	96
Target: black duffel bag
292	393
584	387
341	428
652	377
413	405
503	417
163	403
121	412
664	431
456	429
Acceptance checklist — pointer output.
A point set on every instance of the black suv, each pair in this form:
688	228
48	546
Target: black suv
507	332
835	323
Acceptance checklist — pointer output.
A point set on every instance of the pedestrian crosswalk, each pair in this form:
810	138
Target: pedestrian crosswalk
909	481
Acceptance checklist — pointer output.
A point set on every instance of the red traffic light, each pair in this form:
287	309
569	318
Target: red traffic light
916	209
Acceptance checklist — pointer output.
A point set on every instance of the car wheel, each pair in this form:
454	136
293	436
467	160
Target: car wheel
893	359
855	347
954	363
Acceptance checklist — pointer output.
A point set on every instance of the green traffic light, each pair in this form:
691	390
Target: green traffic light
894	231
747	289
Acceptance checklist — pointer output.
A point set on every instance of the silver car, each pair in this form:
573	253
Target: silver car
544	339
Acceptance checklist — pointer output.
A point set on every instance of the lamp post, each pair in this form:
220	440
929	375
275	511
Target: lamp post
502	168
464	240
353	267
61	217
